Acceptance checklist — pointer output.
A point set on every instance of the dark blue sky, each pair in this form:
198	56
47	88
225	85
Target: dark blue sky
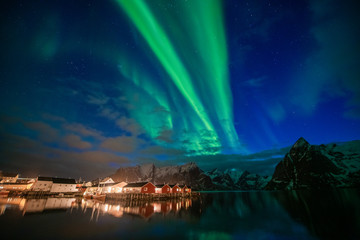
88	86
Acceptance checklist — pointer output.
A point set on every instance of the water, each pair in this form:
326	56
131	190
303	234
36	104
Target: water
221	215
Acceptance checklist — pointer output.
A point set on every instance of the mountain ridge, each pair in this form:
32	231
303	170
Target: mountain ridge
303	166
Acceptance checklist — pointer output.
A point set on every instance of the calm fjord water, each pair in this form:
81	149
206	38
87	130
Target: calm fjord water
329	214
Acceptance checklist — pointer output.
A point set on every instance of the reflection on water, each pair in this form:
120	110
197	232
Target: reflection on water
116	209
142	209
230	215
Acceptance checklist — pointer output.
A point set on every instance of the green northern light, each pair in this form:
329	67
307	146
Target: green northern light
205	87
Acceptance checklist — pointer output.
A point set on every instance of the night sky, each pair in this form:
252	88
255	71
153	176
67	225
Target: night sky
89	86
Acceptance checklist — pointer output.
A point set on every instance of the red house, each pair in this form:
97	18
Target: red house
185	189
175	189
139	187
163	188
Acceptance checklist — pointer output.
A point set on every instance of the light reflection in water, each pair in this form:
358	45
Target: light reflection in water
97	208
222	215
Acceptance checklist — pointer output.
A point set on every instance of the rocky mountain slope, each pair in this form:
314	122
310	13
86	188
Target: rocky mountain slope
191	175
304	166
313	166
235	179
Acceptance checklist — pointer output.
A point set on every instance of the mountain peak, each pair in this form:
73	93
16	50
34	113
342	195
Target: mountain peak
301	142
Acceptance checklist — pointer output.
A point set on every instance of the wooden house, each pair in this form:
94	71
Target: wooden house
175	188
162	188
139	187
185	189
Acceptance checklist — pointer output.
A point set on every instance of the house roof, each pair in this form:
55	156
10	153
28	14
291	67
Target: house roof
45	179
161	185
137	184
7	174
57	180
64	180
173	185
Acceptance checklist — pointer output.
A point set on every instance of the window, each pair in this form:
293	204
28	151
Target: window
168	189
145	189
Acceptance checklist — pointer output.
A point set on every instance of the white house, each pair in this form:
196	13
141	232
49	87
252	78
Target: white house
106	188
63	185
42	184
107	180
114	187
54	185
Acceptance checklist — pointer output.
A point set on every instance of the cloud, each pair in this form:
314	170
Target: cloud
332	70
121	144
82	130
45	132
129	125
98	99
32	158
109	113
165	135
75	141
54	118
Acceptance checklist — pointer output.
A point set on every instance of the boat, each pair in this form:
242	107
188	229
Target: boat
100	197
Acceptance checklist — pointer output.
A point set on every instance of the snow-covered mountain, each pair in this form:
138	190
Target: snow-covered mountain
304	166
191	175
236	179
313	166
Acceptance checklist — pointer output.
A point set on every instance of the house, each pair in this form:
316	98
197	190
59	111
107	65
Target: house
16	186
116	187
106	188
162	188
139	187
107	180
42	184
62	185
54	185
185	189
112	187
175	189
8	177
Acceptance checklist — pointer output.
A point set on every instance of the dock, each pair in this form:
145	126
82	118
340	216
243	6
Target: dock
148	196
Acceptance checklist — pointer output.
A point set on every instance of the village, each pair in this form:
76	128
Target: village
11	184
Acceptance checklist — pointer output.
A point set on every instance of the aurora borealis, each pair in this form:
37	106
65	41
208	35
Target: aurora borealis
94	85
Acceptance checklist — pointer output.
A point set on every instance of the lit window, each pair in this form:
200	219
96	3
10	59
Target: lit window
145	188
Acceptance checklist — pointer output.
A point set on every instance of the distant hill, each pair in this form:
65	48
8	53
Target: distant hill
313	166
